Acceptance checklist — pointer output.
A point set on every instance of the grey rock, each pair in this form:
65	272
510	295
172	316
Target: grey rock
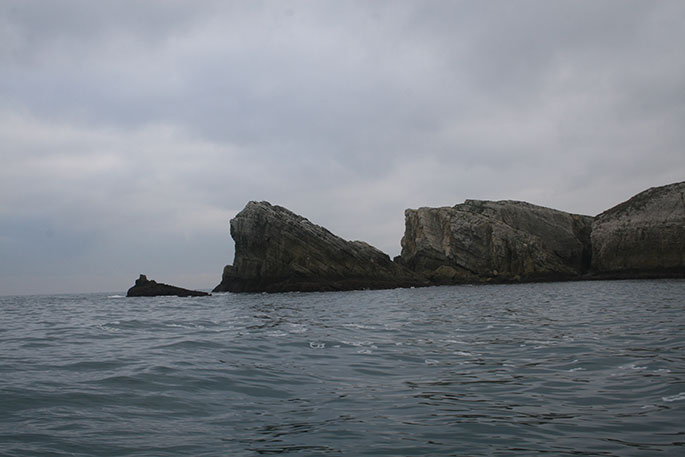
149	288
277	250
495	241
642	237
477	241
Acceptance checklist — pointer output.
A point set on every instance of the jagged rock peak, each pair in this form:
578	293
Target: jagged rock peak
278	250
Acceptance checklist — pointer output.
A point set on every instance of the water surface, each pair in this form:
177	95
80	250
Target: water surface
581	368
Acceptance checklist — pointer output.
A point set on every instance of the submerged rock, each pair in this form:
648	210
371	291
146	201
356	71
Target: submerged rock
642	237
277	250
502	241
148	288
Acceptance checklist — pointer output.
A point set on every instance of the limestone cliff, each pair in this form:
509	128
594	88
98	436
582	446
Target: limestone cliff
502	241
642	237
477	241
277	250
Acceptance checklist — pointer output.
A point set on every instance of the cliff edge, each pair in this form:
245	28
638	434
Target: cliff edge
643	236
495	241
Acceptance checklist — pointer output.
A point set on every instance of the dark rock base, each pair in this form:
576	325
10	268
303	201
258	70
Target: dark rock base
318	285
147	288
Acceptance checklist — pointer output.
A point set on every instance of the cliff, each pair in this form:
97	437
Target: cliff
148	288
276	250
642	237
501	241
476	241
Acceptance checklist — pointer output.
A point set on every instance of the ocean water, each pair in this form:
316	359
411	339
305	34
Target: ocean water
580	368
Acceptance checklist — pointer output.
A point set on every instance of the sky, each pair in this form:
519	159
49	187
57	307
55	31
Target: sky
132	132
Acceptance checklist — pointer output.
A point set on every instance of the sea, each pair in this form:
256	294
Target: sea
591	368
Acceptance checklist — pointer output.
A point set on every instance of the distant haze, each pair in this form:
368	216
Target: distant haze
131	132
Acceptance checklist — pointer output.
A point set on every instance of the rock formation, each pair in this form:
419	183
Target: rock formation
642	237
501	241
147	288
476	241
276	250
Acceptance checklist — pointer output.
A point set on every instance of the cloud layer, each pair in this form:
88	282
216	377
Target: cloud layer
130	133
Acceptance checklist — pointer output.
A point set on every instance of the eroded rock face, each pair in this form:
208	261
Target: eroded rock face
276	250
504	241
477	241
149	288
644	236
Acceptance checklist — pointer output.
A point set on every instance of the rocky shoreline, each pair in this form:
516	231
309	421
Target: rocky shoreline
477	241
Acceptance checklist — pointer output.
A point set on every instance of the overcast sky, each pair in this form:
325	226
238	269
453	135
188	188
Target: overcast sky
131	132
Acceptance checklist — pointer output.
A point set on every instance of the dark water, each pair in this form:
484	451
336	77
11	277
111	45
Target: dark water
587	368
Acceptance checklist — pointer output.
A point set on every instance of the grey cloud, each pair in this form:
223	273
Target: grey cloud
141	128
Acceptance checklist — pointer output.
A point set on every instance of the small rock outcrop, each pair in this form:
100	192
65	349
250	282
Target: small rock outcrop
148	288
642	237
495	241
276	251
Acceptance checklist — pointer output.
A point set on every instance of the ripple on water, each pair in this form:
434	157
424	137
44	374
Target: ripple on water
560	369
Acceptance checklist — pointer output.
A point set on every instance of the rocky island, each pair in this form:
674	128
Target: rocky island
474	242
278	251
149	288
